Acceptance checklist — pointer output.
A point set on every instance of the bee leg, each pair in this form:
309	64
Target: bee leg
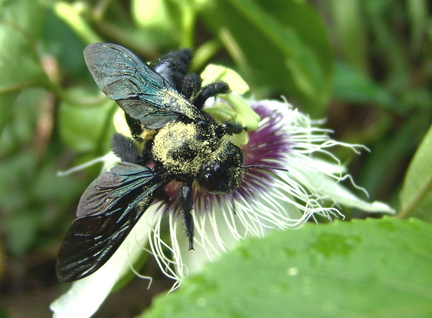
124	148
163	196
134	126
146	153
186	202
190	86
208	91
228	128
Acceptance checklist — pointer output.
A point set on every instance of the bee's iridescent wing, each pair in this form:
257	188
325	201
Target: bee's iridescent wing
107	211
139	90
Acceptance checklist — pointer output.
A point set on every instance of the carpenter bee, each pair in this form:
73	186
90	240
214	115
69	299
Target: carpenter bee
182	143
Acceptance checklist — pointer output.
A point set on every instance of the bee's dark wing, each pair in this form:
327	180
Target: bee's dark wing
139	90
107	211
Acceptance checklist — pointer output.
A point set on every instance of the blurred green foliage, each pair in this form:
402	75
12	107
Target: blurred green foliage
365	65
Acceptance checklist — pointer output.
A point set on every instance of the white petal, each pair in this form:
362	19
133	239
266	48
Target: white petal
324	178
341	195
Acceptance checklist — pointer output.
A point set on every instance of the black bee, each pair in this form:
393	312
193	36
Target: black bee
181	143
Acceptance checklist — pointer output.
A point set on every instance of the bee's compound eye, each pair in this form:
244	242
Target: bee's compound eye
206	180
214	179
224	173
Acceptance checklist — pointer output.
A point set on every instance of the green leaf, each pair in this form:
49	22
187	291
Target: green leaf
152	15
65	46
20	24
416	194
6	104
25	15
389	152
365	268
348	20
86	128
418	15
21	230
16	173
280	45
352	86
72	15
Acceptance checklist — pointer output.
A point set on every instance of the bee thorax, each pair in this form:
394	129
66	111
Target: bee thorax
183	148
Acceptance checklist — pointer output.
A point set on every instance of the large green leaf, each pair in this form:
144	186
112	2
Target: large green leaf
365	268
280	45
416	195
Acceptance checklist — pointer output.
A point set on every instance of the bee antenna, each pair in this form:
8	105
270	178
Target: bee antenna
264	167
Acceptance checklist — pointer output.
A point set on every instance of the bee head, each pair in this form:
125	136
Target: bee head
223	172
